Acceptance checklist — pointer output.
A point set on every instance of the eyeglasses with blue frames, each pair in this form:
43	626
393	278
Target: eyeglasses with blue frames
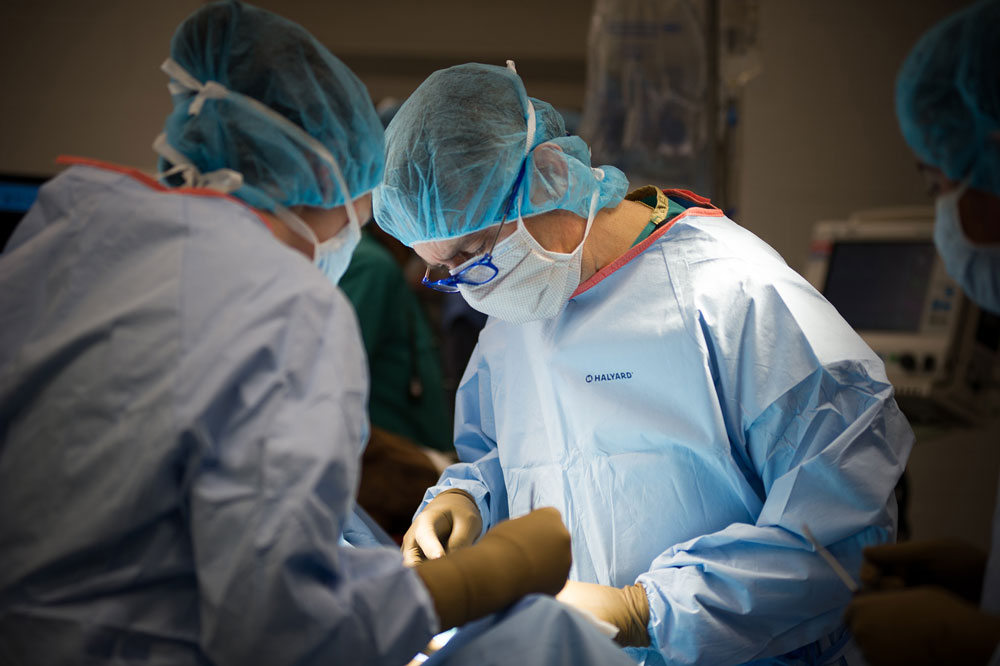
481	270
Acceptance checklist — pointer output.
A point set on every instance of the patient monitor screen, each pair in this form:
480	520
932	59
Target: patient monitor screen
880	286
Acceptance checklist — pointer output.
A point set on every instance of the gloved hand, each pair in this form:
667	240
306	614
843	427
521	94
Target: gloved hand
921	625
627	608
948	563
449	521
517	557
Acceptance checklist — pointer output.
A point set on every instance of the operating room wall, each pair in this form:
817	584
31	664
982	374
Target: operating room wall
83	78
817	136
819	132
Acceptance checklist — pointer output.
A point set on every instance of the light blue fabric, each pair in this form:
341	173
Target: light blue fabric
182	411
948	96
455	148
361	531
688	414
565	638
277	63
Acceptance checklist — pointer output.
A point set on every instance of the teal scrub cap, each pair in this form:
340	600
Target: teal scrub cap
455	149
264	110
948	96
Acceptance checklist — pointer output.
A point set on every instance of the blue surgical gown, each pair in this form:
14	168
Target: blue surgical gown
693	407
181	421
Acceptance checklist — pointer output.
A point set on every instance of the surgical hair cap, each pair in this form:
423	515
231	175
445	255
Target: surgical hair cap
457	145
276	62
948	96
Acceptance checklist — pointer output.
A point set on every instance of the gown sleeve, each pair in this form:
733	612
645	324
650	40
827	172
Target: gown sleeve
480	473
811	418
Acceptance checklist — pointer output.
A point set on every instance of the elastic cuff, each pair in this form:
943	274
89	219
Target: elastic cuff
635	633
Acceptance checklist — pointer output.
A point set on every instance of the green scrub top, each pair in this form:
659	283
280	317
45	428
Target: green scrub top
664	208
407	391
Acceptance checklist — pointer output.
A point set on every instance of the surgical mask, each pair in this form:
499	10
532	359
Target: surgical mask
975	267
532	282
333	255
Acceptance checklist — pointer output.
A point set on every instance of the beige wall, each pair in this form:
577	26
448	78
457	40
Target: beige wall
820	138
83	77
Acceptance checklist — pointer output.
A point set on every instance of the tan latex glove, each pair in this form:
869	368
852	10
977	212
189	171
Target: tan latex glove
448	522
922	625
526	555
948	563
627	608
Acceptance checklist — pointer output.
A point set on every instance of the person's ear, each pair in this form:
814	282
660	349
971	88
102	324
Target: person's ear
549	177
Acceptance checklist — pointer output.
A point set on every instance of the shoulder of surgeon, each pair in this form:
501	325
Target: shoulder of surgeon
731	279
703	239
225	259
714	258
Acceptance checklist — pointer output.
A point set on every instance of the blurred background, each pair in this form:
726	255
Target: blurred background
781	111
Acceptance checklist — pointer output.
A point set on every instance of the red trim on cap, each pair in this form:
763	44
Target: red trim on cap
152	183
708	211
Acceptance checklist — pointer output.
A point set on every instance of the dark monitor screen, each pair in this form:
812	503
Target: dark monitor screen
880	286
17	194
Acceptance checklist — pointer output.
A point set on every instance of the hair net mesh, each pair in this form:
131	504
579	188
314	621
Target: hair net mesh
948	96
276	62
456	146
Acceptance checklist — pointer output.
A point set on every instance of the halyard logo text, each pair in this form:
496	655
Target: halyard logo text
608	377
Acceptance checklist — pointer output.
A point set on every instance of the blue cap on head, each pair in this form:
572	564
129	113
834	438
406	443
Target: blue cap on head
455	149
948	96
271	61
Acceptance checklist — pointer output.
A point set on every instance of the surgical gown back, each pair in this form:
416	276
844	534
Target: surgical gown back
181	419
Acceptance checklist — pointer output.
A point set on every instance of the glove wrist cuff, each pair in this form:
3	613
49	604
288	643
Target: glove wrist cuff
635	632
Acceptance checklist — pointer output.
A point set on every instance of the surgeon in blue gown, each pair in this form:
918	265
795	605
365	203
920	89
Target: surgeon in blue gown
657	373
182	397
938	602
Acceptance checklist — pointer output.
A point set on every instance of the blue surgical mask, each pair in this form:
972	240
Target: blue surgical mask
333	255
975	267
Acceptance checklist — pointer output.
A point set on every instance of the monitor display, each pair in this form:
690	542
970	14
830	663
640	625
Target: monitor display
880	286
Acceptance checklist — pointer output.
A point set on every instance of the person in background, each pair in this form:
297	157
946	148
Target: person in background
410	420
407	392
407	400
658	374
182	393
937	602
407	395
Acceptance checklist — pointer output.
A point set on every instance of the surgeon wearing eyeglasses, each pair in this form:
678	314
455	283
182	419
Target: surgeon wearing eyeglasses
652	370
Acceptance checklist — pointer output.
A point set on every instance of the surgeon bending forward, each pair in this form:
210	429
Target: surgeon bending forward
651	369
